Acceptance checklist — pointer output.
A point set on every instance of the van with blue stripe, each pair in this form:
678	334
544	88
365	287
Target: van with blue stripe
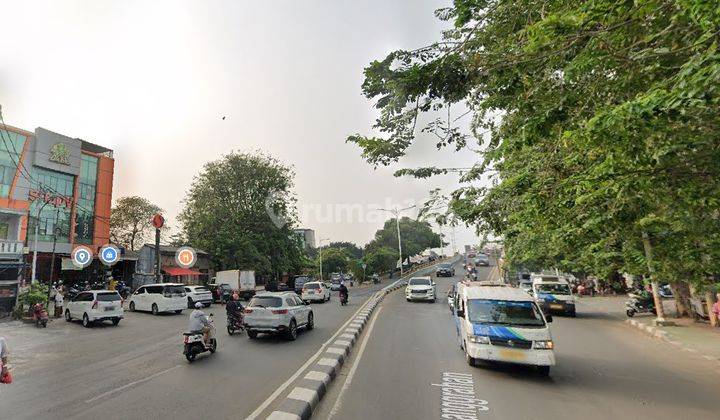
553	294
498	323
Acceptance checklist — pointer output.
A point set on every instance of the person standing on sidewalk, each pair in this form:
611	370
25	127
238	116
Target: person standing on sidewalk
59	300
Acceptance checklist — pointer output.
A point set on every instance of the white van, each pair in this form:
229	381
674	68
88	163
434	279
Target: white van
553	293
161	297
503	324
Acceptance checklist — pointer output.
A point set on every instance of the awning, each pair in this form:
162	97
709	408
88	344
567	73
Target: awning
178	271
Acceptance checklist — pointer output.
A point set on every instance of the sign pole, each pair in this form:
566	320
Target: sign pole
158	221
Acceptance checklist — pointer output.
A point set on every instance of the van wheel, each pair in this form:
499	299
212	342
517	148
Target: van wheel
543	371
68	318
86	321
132	307
179	311
154	309
470	360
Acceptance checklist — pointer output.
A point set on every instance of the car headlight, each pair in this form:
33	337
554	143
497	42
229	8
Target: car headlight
479	339
544	345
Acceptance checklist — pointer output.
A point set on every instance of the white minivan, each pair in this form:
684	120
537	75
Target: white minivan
503	324
161	297
95	305
553	294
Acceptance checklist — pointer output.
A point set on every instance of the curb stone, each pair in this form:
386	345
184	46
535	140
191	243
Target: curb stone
649	329
309	391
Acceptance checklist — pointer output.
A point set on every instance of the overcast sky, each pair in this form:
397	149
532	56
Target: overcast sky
153	79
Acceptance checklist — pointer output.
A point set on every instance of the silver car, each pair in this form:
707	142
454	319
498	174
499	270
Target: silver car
278	313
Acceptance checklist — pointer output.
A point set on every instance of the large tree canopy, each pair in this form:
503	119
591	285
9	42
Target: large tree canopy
241	210
130	222
416	237
595	122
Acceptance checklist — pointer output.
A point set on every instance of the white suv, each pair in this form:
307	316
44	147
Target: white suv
277	313
95	305
420	288
161	297
315	291
198	294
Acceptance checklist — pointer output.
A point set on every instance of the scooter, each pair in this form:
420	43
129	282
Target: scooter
639	304
40	315
195	345
235	323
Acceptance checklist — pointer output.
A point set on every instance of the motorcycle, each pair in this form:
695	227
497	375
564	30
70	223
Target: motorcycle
123	289
235	323
40	315
343	299
195	345
638	304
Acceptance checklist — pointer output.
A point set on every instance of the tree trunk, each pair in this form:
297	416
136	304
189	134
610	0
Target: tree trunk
714	321
653	281
681	294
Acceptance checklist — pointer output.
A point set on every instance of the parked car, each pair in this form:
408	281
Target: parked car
445	270
95	305
420	288
161	297
278	313
483	260
315	291
198	294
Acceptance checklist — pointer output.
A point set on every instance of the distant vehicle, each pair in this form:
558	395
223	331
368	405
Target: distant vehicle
241	281
95	305
315	291
553	293
220	292
198	294
278	313
504	324
161	297
420	288
300	282
445	270
526	285
483	260
335	280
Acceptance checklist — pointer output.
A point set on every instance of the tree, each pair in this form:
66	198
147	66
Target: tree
381	259
131	222
596	123
416	237
335	260
353	250
241	210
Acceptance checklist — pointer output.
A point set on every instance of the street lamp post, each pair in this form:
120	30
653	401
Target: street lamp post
396	212
320	255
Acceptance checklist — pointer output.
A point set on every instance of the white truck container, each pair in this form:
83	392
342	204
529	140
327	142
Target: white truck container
242	281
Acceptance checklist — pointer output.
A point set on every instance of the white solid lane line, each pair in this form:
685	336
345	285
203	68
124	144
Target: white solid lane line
112	391
351	373
297	373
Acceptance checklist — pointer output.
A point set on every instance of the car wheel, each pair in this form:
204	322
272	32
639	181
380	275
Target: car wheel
85	321
573	314
292	331
543	371
191	304
115	321
311	322
132	307
252	334
154	309
68	318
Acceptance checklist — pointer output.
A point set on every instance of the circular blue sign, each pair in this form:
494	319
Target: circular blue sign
82	256
109	254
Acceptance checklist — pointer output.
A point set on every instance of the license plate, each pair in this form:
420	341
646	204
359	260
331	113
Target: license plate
555	306
511	354
109	308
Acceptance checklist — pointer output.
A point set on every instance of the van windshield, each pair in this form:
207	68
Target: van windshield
174	291
554	288
504	312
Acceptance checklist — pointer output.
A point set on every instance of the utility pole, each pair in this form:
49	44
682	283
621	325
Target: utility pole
158	221
320	255
52	261
396	212
33	277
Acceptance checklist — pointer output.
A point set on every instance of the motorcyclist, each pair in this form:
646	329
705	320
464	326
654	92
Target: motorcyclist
344	291
233	308
200	322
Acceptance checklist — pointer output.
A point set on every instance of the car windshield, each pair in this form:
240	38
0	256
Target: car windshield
557	289
174	290
312	286
108	297
266	302
419	282
504	312
445	266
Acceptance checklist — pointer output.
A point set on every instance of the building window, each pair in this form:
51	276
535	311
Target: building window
11	147
85	218
51	216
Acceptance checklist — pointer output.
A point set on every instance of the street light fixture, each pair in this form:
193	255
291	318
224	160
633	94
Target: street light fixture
320	255
396	212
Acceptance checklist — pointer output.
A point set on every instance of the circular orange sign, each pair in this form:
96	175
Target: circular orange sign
185	257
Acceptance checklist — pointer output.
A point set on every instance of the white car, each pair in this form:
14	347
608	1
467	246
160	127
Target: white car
95	305
198	294
161	297
420	288
315	291
278	313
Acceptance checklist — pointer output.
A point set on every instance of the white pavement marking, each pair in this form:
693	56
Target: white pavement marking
351	372
262	407
112	391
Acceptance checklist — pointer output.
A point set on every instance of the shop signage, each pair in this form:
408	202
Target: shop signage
60	153
55	200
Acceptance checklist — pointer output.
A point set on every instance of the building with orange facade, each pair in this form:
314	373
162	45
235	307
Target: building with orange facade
55	193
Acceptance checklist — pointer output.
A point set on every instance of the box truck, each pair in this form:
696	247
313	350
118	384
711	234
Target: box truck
242	281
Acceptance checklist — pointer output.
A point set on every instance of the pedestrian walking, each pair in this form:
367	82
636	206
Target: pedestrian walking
59	300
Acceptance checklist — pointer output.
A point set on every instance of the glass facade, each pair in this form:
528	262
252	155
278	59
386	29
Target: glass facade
54	214
85	217
11	146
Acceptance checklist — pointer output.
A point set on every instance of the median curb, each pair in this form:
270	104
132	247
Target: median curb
648	329
309	391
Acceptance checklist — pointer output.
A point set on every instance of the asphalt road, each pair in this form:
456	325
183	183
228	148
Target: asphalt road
137	370
605	370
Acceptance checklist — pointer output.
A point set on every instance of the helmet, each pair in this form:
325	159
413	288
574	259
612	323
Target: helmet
198	305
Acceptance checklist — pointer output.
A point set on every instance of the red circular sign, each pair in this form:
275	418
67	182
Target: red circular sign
158	221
